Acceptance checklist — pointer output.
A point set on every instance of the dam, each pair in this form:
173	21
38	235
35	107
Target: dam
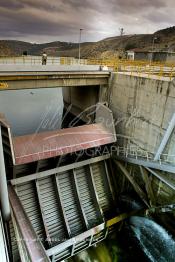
73	139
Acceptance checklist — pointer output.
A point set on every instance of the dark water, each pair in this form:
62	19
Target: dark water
33	110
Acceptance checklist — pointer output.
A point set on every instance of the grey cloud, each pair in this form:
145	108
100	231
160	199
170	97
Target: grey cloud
63	18
136	5
13	4
160	16
31	25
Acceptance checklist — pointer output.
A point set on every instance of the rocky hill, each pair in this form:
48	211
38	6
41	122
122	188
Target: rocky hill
106	48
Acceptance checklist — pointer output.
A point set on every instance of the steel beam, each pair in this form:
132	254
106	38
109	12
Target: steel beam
50	172
100	211
3	242
165	138
5	205
35	249
148	187
151	164
58	191
109	180
79	200
136	187
163	179
42	213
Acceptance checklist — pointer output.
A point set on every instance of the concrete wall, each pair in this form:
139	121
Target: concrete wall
81	99
159	56
142	108
155	56
142	56
170	57
164	56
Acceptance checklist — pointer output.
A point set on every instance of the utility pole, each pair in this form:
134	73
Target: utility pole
120	51
121	31
152	49
79	56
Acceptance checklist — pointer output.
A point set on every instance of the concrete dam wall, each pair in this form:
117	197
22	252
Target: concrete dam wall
142	108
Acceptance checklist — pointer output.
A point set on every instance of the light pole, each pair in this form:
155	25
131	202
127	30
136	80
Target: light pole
152	49
79	56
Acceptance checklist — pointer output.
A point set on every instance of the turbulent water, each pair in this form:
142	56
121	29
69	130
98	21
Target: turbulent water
144	240
140	239
154	240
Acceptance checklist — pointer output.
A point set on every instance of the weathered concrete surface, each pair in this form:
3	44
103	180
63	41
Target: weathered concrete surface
52	82
47	68
80	101
142	109
37	76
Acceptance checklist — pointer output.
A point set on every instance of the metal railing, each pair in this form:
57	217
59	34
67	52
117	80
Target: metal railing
138	153
139	67
37	60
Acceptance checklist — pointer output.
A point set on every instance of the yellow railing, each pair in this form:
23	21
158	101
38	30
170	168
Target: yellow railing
138	67
166	69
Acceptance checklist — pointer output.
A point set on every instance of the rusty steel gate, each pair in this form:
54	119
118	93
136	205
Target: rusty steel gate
60	204
68	206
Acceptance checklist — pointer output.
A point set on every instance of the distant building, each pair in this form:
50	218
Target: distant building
164	56
156	56
130	54
138	54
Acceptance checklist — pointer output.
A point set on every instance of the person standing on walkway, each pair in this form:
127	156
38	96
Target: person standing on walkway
44	58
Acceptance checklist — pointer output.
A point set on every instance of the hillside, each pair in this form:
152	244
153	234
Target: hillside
109	47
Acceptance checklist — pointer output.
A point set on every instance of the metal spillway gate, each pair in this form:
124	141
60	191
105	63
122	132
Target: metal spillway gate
67	206
59	206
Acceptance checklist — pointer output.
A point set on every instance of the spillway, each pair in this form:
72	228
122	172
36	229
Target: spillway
72	140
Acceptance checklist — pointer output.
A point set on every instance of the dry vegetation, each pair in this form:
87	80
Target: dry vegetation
107	48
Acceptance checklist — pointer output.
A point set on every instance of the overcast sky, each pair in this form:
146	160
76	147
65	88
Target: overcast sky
59	20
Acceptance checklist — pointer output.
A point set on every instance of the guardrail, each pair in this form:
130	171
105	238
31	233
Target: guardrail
119	65
137	153
138	67
37	60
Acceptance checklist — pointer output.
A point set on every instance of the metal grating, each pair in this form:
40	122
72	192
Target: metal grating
102	186
29	244
14	246
4	256
63	204
28	197
50	206
88	196
22	254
